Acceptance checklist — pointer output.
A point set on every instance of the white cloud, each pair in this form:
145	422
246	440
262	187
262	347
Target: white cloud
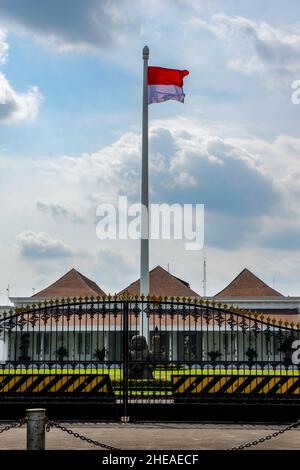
14	106
3	47
58	211
100	176
233	176
182	165
40	245
259	46
72	24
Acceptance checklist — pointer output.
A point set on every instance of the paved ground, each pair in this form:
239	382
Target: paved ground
157	436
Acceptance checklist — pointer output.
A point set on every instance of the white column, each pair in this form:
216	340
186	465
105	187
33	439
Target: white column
3	349
173	337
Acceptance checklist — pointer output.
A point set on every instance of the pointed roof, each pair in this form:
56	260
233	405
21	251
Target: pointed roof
163	283
246	284
72	284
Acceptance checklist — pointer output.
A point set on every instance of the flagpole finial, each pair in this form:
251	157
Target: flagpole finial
146	53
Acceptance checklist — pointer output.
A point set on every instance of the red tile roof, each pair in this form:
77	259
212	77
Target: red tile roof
72	284
246	284
163	283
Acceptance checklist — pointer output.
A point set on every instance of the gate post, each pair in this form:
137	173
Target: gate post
36	422
125	417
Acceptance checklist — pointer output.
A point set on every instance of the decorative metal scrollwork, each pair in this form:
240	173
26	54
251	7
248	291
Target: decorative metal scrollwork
33	319
136	310
232	322
244	324
255	328
196	314
219	318
21	322
207	315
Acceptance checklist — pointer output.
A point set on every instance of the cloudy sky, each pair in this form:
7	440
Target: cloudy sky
70	137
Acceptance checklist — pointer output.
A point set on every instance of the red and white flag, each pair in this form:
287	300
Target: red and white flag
165	84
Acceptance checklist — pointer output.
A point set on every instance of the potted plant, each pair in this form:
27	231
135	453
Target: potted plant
286	348
251	354
99	354
214	355
61	353
25	341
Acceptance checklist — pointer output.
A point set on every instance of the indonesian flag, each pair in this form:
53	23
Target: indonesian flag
165	84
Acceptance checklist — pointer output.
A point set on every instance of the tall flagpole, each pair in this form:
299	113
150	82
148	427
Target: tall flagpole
144	267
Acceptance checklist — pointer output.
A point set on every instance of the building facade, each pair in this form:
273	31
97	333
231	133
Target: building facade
182	337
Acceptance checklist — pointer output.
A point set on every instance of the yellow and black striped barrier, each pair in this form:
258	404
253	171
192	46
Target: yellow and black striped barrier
56	384
193	386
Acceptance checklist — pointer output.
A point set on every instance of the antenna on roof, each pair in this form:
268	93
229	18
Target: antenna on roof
168	267
204	277
7	290
33	291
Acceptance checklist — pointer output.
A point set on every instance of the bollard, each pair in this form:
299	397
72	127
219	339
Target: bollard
36	422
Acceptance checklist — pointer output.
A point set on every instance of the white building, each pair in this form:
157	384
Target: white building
179	339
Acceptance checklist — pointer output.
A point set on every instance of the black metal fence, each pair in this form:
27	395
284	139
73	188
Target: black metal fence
146	350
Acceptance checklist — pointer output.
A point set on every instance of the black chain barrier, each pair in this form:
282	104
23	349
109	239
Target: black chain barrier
52	424
266	438
14	425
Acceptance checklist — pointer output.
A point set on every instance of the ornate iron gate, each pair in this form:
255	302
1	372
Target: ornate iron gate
130	350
